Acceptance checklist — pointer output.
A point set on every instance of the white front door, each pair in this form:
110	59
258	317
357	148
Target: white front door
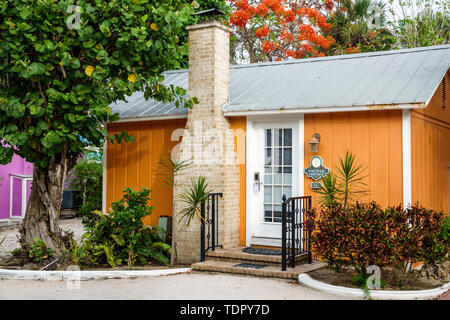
277	167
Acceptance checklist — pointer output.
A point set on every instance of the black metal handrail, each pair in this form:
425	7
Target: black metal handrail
209	224
295	239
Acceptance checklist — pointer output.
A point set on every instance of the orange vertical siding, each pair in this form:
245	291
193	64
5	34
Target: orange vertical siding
239	126
430	152
375	137
135	165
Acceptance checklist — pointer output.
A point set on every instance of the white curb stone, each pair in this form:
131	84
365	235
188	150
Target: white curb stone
374	294
85	275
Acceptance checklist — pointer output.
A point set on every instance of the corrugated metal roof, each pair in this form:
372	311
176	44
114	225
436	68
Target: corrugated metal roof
408	76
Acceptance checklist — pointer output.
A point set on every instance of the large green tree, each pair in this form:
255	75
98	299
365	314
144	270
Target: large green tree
360	26
62	63
420	23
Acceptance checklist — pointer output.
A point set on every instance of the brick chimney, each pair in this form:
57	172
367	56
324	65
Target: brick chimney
208	141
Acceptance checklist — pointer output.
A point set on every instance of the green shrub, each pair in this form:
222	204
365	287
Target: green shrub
445	233
121	237
39	251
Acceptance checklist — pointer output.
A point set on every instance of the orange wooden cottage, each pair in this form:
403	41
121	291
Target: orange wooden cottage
250	133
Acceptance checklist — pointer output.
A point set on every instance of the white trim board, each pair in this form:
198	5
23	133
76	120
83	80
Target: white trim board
406	154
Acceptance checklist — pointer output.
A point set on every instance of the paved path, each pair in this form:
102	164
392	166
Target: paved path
177	287
445	296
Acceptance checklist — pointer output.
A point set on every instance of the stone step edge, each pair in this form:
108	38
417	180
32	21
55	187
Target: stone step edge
228	268
227	254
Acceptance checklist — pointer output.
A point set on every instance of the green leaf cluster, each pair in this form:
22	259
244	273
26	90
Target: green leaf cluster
121	237
57	80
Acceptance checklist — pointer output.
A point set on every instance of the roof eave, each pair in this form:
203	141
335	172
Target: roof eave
400	106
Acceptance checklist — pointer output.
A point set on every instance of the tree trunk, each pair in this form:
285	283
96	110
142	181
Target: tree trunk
44	205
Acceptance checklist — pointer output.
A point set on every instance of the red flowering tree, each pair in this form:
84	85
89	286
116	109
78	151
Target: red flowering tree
273	30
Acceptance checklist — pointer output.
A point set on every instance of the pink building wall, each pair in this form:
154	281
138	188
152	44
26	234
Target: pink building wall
20	167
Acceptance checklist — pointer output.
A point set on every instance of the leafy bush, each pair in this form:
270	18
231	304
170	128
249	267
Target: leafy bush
121	237
445	232
87	177
418	236
39	251
361	235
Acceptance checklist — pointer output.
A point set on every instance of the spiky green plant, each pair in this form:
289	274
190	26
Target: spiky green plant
350	178
193	197
328	192
171	165
345	185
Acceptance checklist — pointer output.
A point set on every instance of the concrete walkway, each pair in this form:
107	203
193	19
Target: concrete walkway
175	287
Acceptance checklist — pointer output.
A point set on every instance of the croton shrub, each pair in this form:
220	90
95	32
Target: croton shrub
361	235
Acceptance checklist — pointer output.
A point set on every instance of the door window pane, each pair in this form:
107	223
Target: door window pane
287	137
267	175
277	213
268	157
278	137
277	171
287	156
287	175
268	138
268	213
267	194
277	175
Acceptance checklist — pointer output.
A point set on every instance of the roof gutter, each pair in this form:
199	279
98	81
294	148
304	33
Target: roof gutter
327	109
153	118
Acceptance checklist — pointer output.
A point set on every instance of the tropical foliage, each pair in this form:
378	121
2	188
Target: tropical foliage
345	185
121	237
420	23
193	197
361	235
359	26
62	63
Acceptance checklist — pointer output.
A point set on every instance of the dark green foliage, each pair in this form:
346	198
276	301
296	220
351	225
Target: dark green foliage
351	27
57	82
39	251
193	197
121	237
344	186
445	233
171	165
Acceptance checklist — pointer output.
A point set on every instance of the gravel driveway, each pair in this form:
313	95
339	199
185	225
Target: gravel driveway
11	242
201	286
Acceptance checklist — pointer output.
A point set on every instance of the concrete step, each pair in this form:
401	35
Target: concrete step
268	271
236	255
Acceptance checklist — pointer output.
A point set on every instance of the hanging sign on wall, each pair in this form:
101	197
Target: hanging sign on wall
316	170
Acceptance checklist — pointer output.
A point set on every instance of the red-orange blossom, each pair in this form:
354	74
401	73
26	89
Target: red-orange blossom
282	29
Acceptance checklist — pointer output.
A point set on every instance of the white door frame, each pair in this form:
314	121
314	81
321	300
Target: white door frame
253	166
24	178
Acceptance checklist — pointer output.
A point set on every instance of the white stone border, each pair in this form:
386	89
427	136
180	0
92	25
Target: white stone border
85	275
374	294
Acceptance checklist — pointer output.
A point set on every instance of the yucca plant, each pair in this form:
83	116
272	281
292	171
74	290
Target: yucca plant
344	185
171	165
328	193
193	197
350	178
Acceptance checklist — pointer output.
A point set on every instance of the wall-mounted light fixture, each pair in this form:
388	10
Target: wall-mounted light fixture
314	143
